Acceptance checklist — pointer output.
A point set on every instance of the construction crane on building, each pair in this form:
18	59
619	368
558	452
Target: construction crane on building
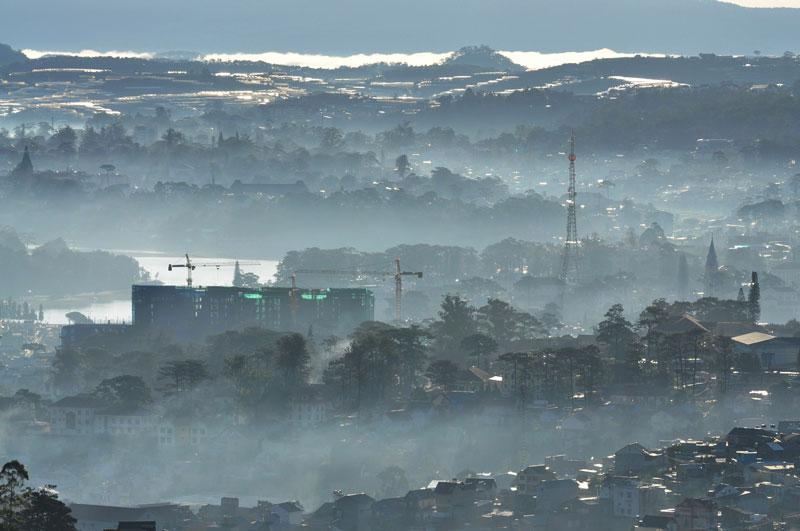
398	275
190	266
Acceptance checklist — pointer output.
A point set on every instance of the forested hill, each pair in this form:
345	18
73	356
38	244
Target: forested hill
8	55
693	70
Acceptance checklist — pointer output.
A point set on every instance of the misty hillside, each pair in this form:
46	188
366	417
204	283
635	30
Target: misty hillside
482	56
8	55
354	26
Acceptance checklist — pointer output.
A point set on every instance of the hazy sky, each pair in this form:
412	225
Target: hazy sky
347	27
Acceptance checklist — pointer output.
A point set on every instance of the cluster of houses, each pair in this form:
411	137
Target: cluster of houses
747	479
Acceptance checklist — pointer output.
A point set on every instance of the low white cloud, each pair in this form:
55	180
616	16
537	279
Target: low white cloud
764	3
331	61
36	54
538	60
531	60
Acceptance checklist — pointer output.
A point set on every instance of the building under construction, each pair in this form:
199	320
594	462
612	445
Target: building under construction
192	312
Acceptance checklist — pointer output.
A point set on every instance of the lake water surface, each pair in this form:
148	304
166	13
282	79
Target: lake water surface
118	310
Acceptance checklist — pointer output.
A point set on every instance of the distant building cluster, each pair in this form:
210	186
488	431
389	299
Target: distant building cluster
192	313
746	479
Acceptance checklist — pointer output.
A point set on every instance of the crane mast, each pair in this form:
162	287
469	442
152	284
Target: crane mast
398	275
190	266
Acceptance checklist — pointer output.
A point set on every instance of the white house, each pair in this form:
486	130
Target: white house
309	407
74	415
186	433
289	513
124	421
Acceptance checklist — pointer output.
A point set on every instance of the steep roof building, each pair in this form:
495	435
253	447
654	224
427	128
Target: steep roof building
25	166
712	267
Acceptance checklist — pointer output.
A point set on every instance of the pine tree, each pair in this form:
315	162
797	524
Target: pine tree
754	299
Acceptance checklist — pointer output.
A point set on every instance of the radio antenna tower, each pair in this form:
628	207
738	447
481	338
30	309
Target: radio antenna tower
569	267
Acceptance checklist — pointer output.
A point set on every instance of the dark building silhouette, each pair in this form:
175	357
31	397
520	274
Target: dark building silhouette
199	311
712	270
25	166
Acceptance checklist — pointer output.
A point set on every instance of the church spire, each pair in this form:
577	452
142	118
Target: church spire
712	267
25	166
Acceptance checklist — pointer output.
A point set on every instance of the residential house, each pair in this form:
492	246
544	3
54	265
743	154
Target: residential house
778	353
657	523
353	512
576	513
738	518
563	466
476	379
777	473
389	513
143	525
309	407
748	438
74	415
635	458
621	495
455	499
531	477
694	514
679	324
121	420
724	494
485	488
555	492
182	433
288	513
101	517
753	502
419	504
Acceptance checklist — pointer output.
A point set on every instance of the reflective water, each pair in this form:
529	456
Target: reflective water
118	310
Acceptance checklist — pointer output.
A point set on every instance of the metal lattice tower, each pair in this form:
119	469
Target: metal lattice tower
569	267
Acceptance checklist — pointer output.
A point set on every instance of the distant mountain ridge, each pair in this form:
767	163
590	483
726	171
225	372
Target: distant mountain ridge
363	26
482	56
8	55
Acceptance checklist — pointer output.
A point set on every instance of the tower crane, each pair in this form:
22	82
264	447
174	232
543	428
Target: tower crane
190	266
398	275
